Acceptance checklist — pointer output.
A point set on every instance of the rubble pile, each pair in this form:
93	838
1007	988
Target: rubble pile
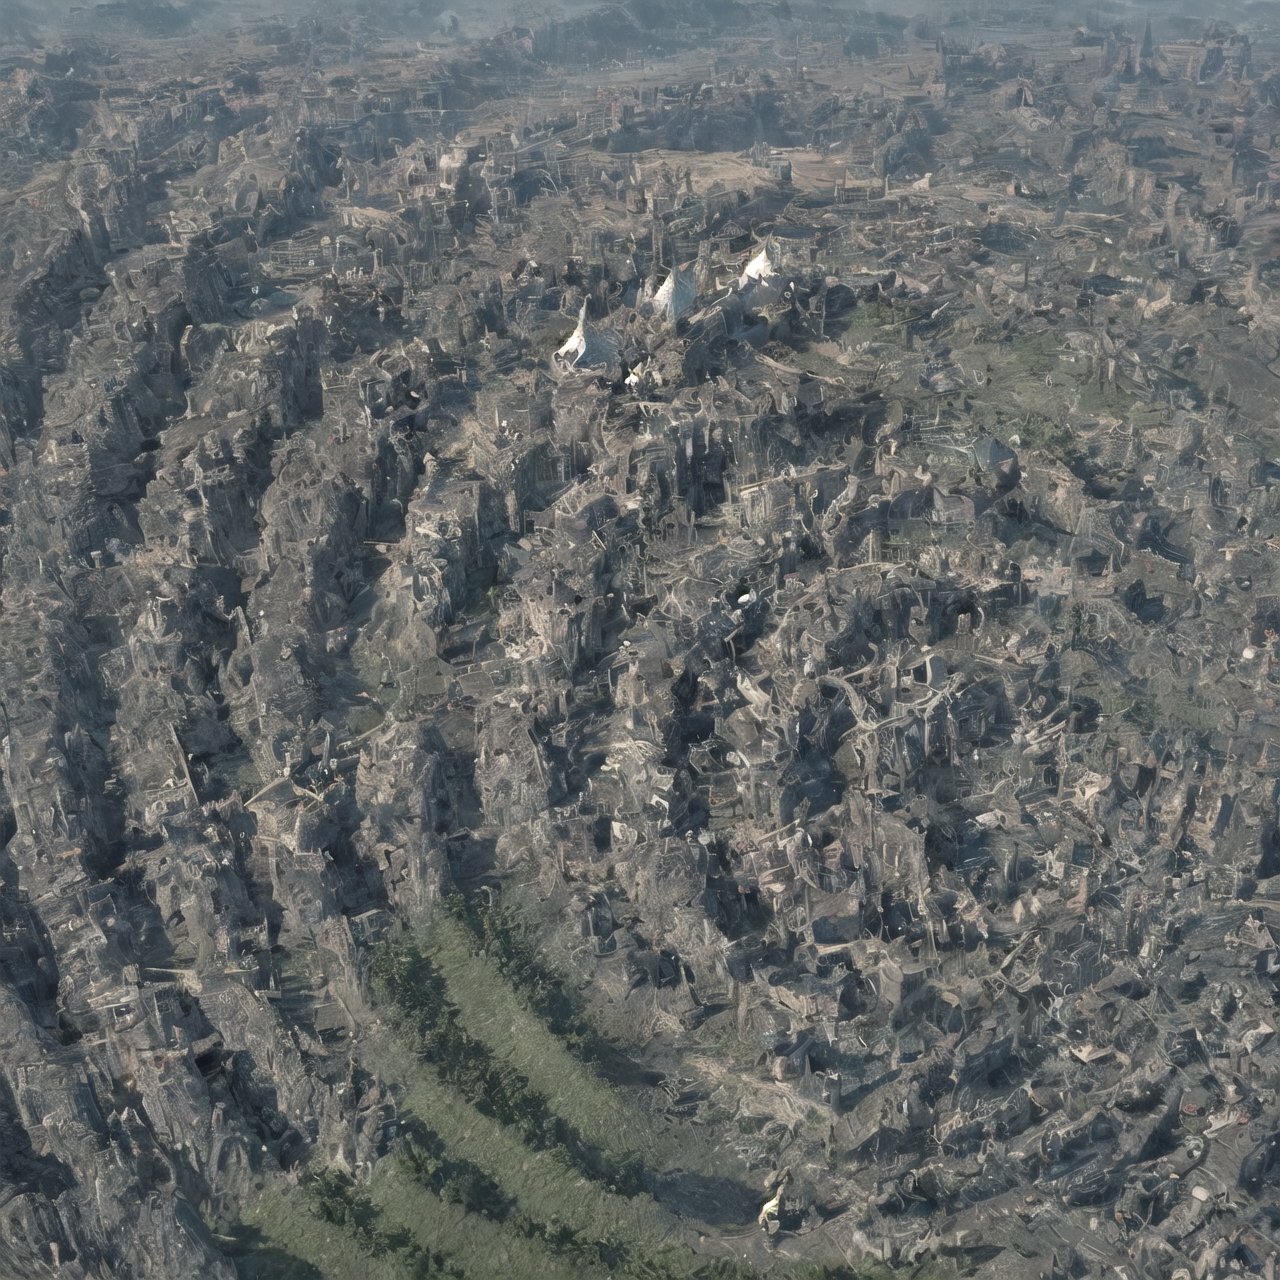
789	508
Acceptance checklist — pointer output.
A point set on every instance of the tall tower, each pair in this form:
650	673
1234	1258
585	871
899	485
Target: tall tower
1147	54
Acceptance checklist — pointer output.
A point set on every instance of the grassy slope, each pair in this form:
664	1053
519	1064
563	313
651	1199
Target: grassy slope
291	1243
498	1016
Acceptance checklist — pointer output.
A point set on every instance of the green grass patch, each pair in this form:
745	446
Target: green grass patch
409	983
870	322
280	1237
517	1001
464	1196
544	1187
336	1199
518	1006
468	1218
1052	436
514	1156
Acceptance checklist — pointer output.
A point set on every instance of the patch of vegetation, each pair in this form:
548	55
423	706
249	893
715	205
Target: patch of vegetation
455	1181
515	999
504	938
870	322
1143	714
487	1177
1053	437
335	1198
258	1258
1036	354
1188	712
409	984
429	1212
463	1183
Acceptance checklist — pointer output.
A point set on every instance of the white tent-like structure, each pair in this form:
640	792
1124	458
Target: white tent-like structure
589	349
759	285
676	295
761	267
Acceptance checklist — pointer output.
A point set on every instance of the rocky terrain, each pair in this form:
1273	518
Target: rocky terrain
640	645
